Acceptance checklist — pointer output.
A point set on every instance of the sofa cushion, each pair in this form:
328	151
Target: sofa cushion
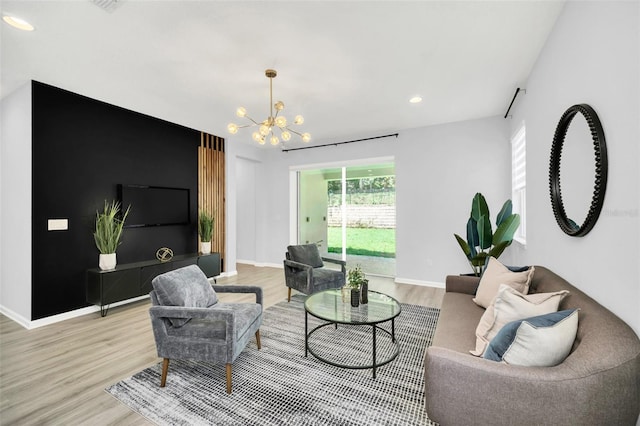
307	254
541	341
511	305
187	287
496	274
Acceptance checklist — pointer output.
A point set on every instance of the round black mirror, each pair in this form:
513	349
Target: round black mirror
560	139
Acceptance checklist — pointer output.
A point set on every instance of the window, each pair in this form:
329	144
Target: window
519	181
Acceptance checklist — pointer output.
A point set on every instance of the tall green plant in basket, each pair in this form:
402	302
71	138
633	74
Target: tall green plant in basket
481	241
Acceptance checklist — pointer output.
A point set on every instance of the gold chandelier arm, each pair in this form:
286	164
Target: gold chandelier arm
271	97
293	131
252	120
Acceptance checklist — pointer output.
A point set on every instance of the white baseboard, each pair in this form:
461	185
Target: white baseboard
261	264
226	274
419	282
29	325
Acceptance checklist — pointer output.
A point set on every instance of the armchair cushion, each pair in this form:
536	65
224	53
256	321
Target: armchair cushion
328	278
307	254
186	287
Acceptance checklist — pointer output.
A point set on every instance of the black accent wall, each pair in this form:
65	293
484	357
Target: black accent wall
82	149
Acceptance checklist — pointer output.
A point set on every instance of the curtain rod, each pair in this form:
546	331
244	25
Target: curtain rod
342	143
506	114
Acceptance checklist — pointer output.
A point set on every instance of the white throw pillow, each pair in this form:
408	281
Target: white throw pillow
511	305
496	274
541	341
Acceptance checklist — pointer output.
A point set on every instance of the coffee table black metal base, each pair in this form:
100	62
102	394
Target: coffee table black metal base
376	362
334	307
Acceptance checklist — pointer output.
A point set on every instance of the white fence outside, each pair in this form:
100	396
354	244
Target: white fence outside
364	216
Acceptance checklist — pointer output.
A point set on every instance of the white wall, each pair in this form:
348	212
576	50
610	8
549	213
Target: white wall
15	205
246	209
592	56
241	158
438	170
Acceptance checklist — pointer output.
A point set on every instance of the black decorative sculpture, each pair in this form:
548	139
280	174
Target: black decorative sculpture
601	167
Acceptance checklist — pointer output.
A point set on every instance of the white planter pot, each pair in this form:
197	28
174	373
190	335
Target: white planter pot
107	261
205	248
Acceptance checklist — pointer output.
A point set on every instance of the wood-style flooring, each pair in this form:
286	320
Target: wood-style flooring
57	374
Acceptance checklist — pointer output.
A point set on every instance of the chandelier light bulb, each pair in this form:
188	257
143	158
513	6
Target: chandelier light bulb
232	128
264	129
281	121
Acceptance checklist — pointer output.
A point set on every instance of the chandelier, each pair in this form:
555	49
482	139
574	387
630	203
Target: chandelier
266	129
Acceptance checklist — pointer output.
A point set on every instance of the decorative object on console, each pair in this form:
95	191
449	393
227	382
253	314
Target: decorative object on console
568	225
481	241
205	229
164	254
273	121
108	232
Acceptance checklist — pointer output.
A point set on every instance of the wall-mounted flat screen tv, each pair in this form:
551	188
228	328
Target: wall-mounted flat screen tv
155	205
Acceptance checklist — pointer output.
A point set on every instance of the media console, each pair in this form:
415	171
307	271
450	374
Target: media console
130	280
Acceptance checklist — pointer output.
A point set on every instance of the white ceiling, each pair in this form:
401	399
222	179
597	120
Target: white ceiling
348	66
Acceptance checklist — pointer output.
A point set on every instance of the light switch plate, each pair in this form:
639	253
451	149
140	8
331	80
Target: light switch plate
57	224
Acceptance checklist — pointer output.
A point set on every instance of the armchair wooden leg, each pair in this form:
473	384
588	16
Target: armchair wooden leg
258	339
228	378
289	298
165	369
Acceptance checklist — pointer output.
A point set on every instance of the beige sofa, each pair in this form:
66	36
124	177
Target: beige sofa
597	384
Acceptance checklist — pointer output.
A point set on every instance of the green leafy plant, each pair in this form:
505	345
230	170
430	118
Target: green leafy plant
205	226
109	227
481	241
355	277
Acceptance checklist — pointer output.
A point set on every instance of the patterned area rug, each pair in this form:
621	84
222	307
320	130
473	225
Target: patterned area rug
277	385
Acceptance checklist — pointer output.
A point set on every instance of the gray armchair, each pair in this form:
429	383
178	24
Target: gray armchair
189	323
304	270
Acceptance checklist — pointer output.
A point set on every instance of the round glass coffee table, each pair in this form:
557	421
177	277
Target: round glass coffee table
335	307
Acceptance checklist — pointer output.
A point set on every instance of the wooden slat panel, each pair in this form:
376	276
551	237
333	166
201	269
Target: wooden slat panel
211	184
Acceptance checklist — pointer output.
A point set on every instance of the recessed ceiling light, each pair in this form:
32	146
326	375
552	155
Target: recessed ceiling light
416	99
18	23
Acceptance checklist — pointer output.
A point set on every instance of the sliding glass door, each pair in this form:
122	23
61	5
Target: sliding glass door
349	212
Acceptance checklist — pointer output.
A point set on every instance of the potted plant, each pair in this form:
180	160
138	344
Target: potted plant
108	232
359	285
481	241
205	229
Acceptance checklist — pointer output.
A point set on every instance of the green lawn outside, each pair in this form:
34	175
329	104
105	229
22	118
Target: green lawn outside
363	241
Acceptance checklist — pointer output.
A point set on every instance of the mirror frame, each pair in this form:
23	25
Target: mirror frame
601	169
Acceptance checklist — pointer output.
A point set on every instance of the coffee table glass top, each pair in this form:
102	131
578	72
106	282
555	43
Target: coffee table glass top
335	306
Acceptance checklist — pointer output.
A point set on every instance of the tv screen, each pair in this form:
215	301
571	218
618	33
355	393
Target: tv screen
154	205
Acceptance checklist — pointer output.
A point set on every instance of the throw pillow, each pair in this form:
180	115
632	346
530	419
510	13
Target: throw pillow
494	275
511	268
187	287
541	341
511	305
307	254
